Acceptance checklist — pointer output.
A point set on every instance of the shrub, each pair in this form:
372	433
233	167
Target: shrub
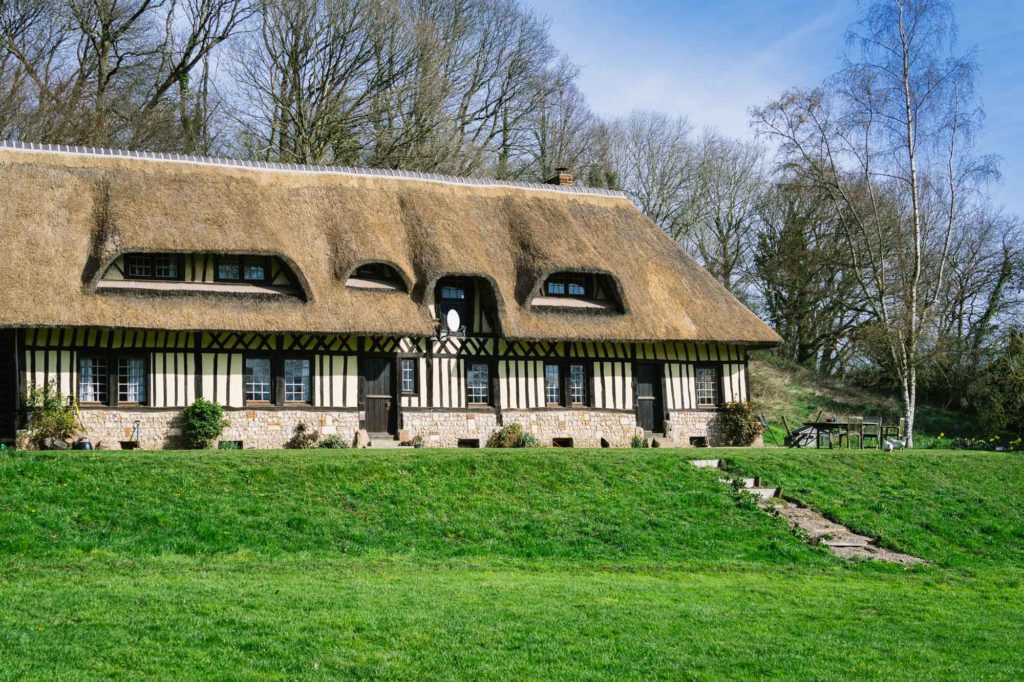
332	442
303	437
739	425
201	422
529	441
229	445
50	416
512	436
638	441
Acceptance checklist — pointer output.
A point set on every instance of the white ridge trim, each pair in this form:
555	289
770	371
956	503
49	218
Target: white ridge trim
297	168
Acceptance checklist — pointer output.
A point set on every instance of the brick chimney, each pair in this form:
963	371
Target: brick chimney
562	177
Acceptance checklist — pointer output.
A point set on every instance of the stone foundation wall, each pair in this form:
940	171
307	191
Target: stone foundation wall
587	428
439	428
255	428
695	424
444	428
700	424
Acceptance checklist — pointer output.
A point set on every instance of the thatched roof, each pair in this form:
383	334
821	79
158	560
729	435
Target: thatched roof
65	215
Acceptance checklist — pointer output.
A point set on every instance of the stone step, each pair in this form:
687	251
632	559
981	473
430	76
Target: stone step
706	463
746	482
765	493
386	442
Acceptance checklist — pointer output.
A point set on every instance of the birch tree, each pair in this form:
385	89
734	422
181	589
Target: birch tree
888	139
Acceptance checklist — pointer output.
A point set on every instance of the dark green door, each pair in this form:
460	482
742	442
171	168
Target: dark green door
650	406
378	394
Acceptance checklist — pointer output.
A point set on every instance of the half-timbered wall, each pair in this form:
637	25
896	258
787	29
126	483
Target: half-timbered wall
185	365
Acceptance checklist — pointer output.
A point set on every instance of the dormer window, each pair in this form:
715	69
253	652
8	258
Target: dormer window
455	294
379	276
201	273
579	292
253	269
164	266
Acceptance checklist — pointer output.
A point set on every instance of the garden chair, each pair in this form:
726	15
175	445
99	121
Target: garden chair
895	431
855	428
871	429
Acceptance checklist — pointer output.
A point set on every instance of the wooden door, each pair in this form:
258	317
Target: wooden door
378	394
650	407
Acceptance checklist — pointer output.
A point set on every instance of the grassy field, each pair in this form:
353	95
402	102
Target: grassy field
502	565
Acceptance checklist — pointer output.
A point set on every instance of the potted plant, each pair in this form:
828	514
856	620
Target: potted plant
417	441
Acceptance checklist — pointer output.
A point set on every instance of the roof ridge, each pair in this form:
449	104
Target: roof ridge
302	168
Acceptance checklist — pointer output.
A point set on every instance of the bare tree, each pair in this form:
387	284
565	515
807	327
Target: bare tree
731	181
306	75
889	140
560	130
112	72
659	168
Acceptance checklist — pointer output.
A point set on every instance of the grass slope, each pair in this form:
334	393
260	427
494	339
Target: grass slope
496	565
784	389
957	508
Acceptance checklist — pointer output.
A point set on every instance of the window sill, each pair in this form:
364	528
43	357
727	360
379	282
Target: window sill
181	287
570	303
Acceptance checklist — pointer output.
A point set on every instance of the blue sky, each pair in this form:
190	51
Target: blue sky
713	59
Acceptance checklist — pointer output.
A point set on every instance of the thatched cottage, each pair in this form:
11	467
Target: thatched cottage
351	300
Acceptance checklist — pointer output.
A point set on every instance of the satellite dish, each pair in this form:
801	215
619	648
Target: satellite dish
452	320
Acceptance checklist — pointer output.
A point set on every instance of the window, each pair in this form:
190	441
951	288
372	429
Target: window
565	384
409	375
552	385
152	266
131	380
297	381
255	269
577	384
707	386
229	268
568	284
139	266
478	376
257	380
378	271
92	380
450	293
242	268
165	266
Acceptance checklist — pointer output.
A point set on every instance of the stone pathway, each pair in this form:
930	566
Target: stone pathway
840	540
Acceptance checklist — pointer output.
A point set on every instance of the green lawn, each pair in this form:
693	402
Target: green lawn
502	565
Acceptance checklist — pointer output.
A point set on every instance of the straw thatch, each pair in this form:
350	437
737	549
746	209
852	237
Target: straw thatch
65	216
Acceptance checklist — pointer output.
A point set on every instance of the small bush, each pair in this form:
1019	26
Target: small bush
303	437
51	416
201	422
529	441
638	441
229	445
739	425
332	442
512	436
